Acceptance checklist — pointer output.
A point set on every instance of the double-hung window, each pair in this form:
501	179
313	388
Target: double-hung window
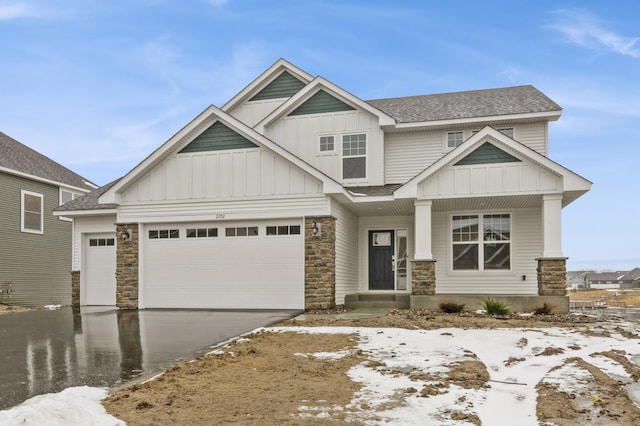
354	156
481	242
31	217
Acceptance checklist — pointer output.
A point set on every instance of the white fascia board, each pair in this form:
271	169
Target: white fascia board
72	213
310	90
550	115
43	180
264	79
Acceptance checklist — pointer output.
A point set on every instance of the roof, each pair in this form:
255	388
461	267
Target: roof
632	275
20	158
89	201
373	191
470	104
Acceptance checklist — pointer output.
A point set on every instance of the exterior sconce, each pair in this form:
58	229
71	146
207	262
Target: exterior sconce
315	229
125	235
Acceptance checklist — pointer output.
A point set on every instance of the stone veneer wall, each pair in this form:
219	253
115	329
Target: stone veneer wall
75	288
127	267
320	263
552	276
423	277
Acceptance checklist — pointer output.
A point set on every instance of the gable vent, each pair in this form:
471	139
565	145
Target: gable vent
487	154
283	86
218	137
321	102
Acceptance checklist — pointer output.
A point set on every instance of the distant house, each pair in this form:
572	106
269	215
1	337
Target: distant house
296	194
577	279
614	280
35	245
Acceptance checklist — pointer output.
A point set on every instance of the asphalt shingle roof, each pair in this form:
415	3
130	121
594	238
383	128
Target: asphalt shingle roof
474	103
19	157
89	201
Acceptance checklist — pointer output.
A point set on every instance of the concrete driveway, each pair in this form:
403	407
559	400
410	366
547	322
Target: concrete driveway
47	351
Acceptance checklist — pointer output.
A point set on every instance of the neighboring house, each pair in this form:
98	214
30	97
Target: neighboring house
577	279
614	280
35	245
298	194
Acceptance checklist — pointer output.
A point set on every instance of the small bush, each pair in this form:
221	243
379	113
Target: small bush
452	308
544	309
495	307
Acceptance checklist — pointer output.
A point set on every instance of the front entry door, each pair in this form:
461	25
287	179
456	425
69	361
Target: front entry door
381	261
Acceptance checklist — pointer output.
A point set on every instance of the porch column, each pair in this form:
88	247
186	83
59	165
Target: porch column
552	225
319	262
127	266
423	267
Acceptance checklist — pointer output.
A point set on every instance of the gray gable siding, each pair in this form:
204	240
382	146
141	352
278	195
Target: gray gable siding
321	102
487	154
218	137
37	265
283	86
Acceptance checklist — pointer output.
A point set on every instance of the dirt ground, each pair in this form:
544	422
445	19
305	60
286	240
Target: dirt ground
5	309
264	379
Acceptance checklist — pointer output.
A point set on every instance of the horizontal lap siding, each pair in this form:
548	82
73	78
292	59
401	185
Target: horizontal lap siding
534	135
407	154
526	247
346	251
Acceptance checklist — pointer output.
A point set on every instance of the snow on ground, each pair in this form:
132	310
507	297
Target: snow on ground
516	360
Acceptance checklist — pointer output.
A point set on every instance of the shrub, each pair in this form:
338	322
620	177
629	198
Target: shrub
495	307
452	308
544	309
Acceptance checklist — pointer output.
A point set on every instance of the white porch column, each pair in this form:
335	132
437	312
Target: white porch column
422	230
552	225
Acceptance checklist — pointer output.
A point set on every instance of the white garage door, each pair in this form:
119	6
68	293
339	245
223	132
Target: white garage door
99	275
244	265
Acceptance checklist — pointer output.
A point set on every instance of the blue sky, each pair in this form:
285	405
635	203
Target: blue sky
97	85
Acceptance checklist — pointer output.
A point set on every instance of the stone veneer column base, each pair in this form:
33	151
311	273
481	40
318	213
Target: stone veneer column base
552	276
320	263
75	288
423	277
127	267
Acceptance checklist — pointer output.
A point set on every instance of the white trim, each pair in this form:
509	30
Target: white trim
22	211
549	115
71	213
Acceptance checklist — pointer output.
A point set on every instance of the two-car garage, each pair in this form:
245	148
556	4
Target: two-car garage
219	265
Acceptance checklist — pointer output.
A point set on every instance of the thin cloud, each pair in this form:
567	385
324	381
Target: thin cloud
586	30
16	11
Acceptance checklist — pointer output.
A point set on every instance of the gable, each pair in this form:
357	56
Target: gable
283	86
321	102
218	137
487	153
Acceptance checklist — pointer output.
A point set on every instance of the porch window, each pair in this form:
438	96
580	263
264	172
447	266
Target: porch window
481	242
354	156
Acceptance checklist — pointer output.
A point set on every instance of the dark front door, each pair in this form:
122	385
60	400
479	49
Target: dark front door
381	272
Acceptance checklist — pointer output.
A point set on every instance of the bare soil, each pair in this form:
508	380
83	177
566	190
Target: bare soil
269	378
6	309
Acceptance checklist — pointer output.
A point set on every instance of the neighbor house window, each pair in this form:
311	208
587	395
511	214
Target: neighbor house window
354	156
164	234
454	139
327	144
66	196
283	230
31	219
481	242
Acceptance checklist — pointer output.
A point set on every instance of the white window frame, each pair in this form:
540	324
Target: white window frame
365	156
481	243
23	193
326	151
503	130
74	195
446	139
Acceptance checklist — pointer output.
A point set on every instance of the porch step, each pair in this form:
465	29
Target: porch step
372	300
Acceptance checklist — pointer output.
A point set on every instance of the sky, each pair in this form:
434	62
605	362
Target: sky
97	85
527	357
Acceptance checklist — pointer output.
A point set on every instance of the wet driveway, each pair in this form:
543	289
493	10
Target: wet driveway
47	351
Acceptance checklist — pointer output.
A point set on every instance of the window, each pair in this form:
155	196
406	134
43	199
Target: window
507	131
102	242
242	231
283	230
327	144
481	243
163	234
202	232
31	219
454	139
354	156
66	196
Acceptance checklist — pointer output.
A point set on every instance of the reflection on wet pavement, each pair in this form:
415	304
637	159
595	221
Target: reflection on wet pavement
48	351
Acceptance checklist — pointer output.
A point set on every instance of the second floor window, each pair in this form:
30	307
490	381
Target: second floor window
31	212
354	156
327	144
454	139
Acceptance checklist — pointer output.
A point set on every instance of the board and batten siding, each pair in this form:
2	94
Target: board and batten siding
222	174
37	265
300	135
526	246
83	225
346	251
252	112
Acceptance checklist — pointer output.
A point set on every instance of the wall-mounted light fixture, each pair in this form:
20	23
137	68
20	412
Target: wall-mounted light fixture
125	235
315	229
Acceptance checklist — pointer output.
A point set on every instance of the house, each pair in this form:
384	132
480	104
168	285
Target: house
614	279
35	245
298	194
577	279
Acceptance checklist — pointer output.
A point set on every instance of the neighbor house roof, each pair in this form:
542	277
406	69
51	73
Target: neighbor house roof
89	201
470	104
20	158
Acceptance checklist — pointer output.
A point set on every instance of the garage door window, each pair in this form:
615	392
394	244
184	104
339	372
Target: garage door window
102	242
242	231
283	230
161	234
202	232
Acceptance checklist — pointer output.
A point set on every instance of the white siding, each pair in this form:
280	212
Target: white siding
346	251
526	246
300	135
88	224
251	113
222	174
533	135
